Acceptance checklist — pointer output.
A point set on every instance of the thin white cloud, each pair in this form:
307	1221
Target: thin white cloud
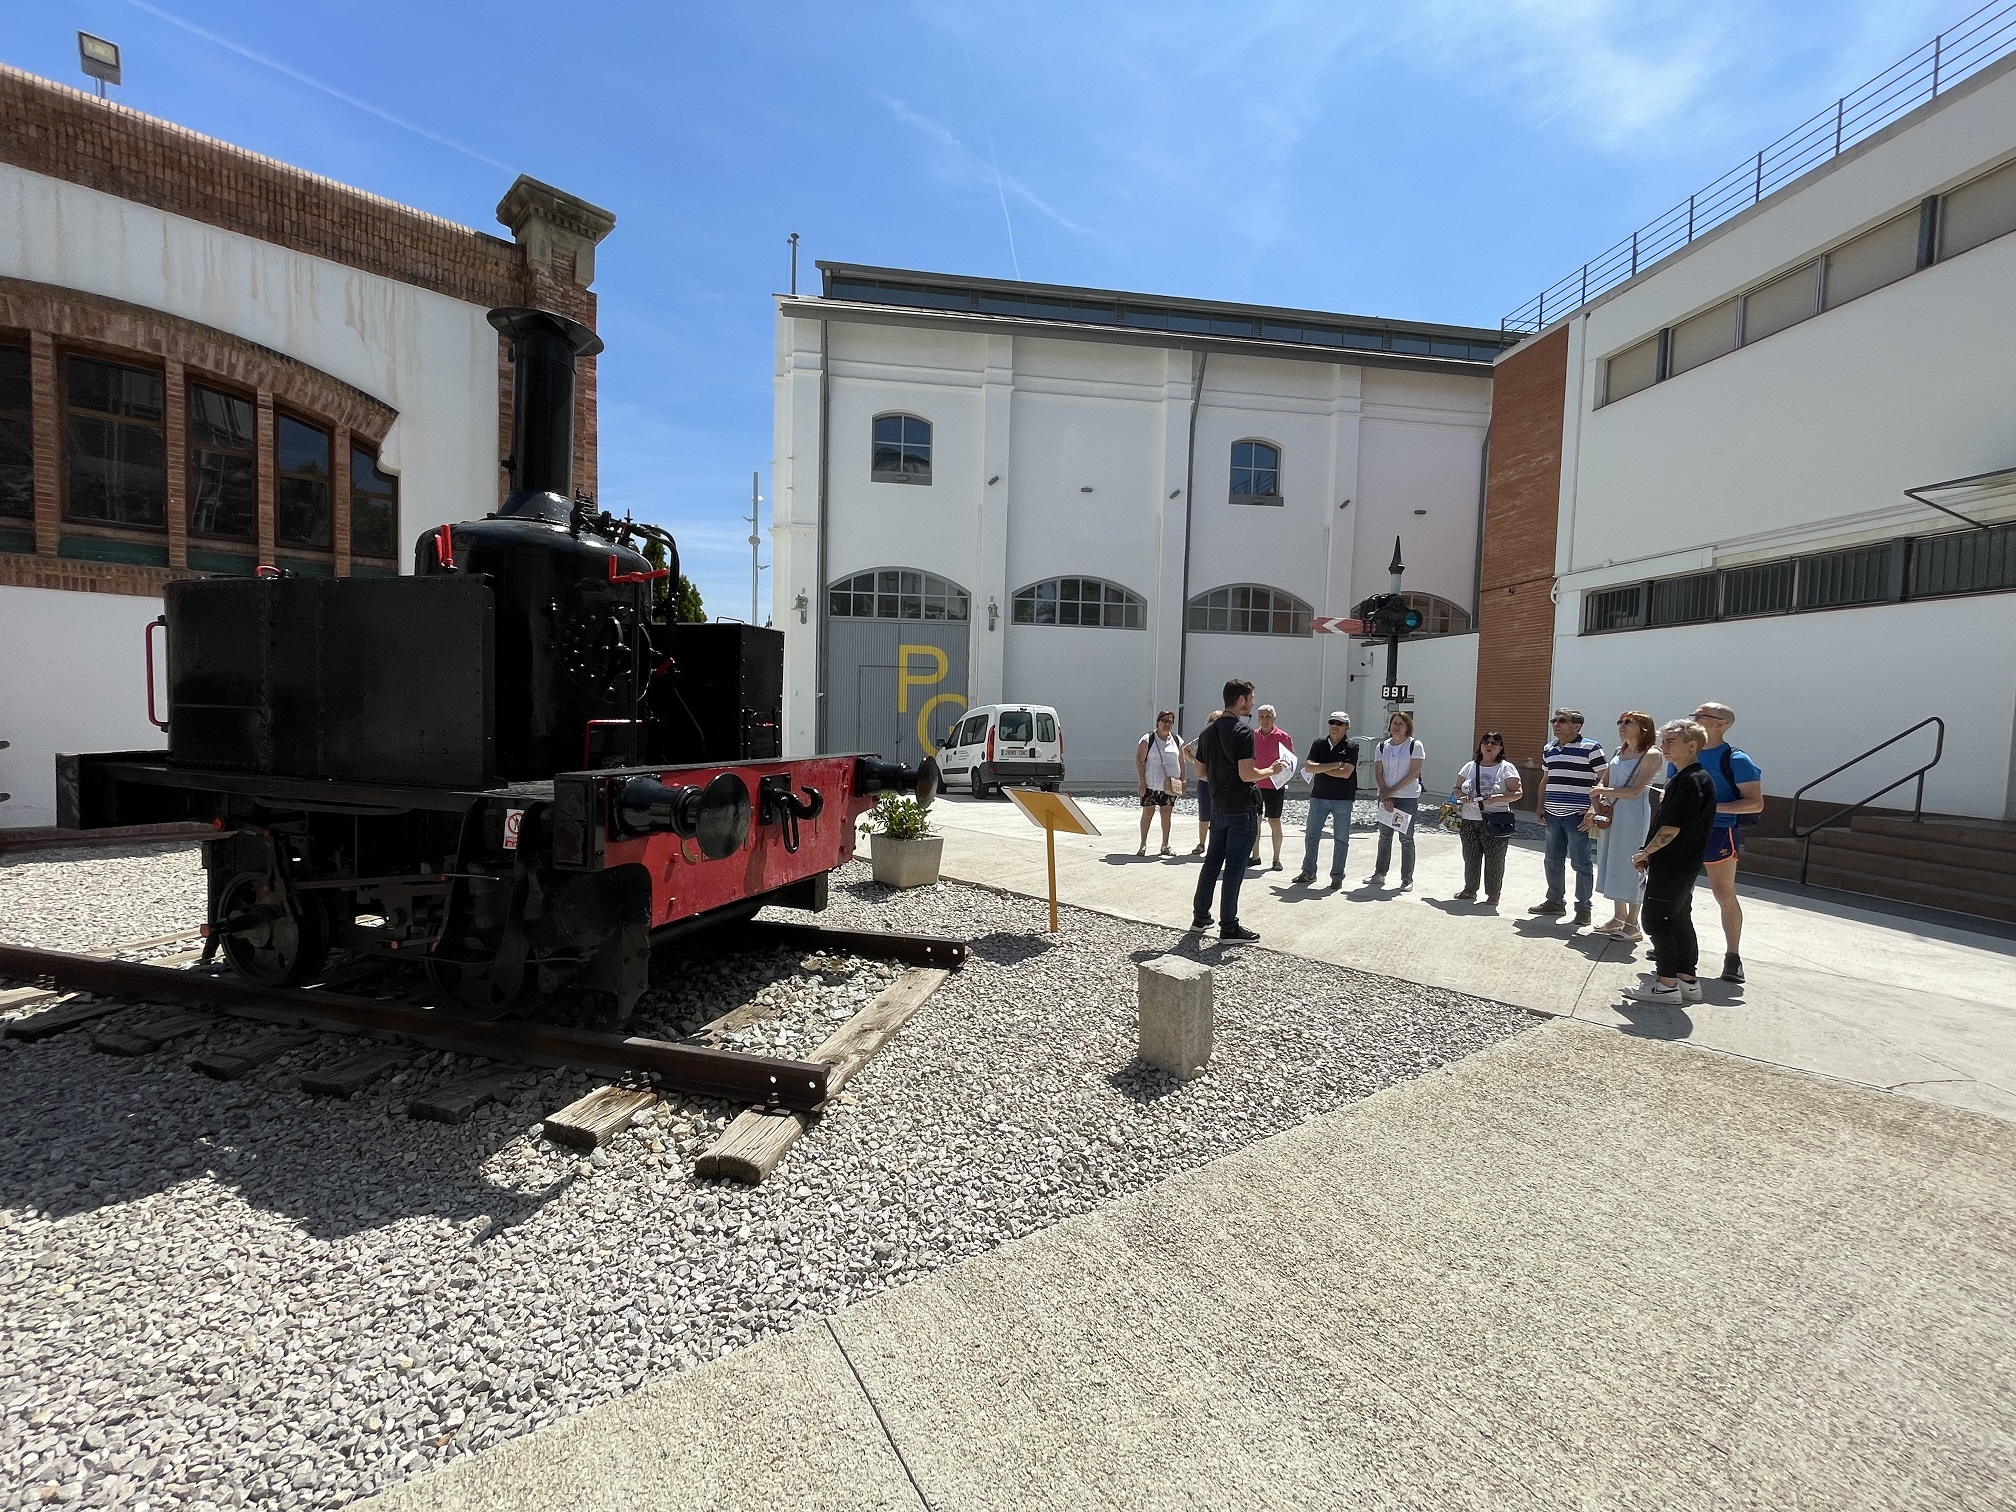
968	166
301	78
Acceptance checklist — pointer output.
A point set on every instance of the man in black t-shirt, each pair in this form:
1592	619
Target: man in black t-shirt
1226	750
1671	861
1333	772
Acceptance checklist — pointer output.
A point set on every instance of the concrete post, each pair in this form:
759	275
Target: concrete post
1177	1017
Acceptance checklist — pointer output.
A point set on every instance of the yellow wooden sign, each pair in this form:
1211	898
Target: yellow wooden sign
1052	812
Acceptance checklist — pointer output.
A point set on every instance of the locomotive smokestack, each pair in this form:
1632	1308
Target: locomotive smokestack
544	348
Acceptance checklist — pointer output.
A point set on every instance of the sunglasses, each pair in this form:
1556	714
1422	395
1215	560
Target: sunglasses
1335	723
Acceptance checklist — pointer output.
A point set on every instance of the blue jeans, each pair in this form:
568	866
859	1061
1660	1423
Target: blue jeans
1232	837
1406	806
1566	840
1334	811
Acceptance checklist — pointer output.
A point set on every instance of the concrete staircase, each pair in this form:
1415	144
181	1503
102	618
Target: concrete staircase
1966	865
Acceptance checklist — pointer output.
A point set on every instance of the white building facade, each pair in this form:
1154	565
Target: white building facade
1766	442
1110	503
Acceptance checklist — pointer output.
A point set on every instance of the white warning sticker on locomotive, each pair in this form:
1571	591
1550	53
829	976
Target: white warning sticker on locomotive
513	818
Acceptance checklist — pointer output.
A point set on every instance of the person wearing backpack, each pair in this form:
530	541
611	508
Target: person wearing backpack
1397	763
1739	801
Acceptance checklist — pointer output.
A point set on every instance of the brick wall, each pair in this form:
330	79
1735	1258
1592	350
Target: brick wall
1522	500
64	133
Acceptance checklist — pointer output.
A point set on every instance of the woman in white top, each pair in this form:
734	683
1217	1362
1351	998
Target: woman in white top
1487	787
1625	802
1397	764
1158	771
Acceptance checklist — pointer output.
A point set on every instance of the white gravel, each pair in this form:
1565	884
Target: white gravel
231	1294
99	895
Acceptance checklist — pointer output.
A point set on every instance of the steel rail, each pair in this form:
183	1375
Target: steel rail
756	1080
914	949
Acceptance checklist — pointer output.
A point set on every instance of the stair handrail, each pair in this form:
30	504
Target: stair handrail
1848	811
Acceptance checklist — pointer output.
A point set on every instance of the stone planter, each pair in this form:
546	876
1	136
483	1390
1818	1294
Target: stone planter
906	863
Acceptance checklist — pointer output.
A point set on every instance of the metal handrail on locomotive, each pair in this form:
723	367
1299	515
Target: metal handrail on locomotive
511	765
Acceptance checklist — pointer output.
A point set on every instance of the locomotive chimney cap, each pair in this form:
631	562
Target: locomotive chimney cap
516	323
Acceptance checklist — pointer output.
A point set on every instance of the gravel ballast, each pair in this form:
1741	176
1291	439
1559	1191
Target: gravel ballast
227	1294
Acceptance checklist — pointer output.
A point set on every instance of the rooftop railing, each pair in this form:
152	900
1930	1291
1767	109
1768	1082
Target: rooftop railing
1922	75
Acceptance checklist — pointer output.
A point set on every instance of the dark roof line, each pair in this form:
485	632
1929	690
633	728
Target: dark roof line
1012	290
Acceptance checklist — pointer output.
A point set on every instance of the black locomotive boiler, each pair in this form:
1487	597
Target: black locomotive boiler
511	766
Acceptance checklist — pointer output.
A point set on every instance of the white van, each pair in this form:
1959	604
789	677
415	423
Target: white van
1022	744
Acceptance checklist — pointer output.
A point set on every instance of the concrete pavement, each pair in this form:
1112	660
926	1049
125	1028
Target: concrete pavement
1924	1009
1579	1269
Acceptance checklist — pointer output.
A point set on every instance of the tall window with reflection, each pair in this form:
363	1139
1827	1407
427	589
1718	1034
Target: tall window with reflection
374	508
1084	601
223	464
902	450
17	435
1248	609
303	514
117	455
1256	472
898	593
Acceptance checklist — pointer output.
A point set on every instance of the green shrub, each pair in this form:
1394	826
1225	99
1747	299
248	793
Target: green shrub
898	817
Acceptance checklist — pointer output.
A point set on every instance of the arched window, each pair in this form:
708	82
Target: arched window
1248	609
898	593
1081	601
902	450
1256	472
1438	615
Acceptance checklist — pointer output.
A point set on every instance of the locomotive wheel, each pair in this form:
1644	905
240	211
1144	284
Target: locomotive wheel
488	991
274	948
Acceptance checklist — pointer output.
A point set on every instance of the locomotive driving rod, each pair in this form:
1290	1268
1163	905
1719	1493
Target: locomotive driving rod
799	1086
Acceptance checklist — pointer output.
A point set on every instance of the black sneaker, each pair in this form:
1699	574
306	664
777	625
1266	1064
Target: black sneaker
1202	921
1581	915
1302	879
1335	883
1237	932
1551	910
1732	967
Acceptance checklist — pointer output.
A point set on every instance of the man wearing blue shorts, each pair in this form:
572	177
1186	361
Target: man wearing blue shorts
1739	790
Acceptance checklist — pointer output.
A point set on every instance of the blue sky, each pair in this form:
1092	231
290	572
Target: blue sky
1437	159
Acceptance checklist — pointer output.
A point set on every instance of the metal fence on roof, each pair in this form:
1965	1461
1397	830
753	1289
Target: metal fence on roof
1921	75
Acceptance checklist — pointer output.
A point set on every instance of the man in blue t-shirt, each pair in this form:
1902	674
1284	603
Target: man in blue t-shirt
1739	790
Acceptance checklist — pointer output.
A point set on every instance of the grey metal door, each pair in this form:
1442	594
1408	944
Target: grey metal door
894	686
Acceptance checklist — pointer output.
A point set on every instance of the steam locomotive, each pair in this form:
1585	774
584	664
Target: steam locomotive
511	765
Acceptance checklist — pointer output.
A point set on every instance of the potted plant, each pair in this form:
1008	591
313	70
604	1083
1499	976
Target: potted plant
901	846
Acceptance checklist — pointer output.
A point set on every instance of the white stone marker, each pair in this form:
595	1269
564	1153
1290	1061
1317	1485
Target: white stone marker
1177	1018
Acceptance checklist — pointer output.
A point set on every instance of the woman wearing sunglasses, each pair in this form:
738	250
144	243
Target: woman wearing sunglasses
1487	788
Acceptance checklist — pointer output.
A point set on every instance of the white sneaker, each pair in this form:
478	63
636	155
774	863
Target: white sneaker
1652	992
1690	990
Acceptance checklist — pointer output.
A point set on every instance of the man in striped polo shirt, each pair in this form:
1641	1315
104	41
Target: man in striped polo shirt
1574	766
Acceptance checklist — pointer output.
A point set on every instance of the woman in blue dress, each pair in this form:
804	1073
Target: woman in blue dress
1624	802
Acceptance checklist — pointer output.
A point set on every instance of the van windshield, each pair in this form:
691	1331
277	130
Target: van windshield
1015	724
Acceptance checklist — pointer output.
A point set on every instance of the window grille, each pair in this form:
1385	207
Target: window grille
1248	609
17	435
1964	561
1859	575
1256	473
1763	589
1614	609
1438	615
902	450
898	593
1084	601
1683	600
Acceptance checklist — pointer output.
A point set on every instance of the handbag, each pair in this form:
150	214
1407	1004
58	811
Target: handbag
1500	822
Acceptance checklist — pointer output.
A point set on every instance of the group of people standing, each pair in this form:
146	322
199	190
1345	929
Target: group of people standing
1600	820
1597	807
